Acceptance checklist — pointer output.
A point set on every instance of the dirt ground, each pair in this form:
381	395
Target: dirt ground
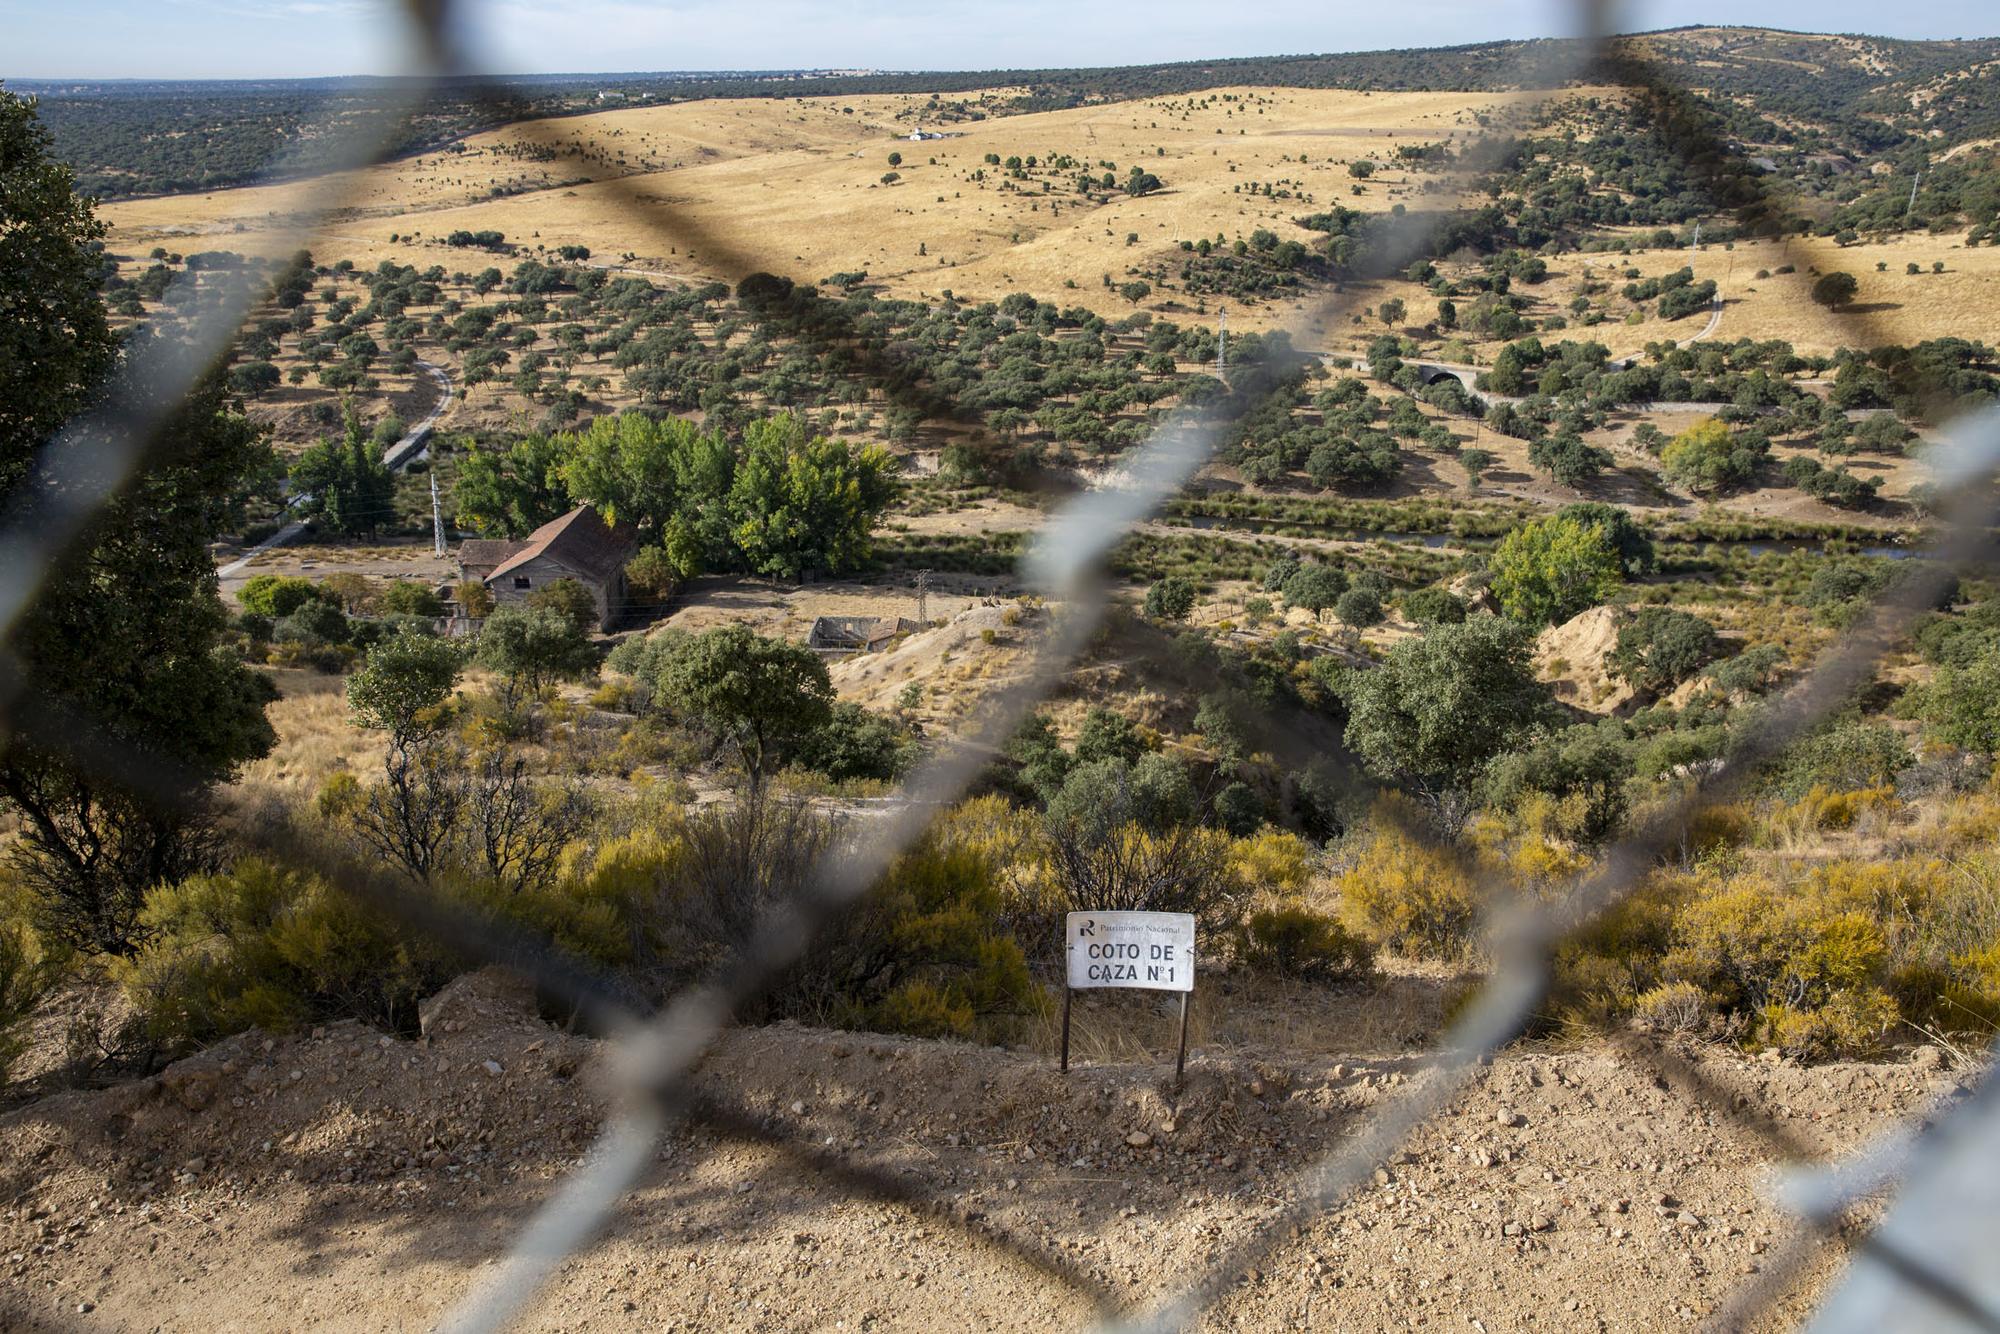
344	1179
383	561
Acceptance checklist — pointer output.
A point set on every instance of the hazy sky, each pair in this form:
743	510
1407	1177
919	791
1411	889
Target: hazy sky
288	38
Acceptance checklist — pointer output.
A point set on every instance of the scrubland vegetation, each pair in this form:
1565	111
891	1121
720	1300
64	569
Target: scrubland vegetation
1471	587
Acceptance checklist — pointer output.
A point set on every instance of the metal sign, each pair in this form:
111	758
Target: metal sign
1148	951
1153	951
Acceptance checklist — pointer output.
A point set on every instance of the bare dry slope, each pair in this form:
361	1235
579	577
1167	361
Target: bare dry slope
346	1180
797	187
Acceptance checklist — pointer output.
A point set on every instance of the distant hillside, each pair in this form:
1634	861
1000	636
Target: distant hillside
1849	94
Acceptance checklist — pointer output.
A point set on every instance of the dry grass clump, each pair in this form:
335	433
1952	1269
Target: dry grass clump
315	739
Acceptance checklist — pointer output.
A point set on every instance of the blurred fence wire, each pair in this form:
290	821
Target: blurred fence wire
1936	1244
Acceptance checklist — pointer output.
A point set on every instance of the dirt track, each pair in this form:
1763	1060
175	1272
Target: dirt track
343	1180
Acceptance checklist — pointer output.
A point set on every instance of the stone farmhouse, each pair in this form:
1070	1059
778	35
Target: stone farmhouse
579	546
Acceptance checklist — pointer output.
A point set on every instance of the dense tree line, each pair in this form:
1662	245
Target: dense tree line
776	501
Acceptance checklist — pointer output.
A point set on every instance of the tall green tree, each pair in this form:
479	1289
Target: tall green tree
122	644
803	504
624	466
511	492
1547	571
668	479
56	345
346	486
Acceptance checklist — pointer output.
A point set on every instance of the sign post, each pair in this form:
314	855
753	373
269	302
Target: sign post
1145	951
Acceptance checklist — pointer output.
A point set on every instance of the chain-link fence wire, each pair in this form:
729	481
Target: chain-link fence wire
655	1055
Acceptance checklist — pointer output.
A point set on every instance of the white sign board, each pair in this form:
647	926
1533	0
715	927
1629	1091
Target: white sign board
1153	951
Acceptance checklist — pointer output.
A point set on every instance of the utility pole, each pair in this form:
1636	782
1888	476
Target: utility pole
437	517
1221	341
923	597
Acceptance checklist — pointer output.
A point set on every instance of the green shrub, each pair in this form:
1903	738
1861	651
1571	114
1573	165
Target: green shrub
925	952
261	945
855	743
1297	942
29	970
1359	608
1804	960
1433	606
1609	961
1752	671
1314	587
575	602
407	597
276	595
1960	706
312	624
1171	599
1108	735
1582	770
1676	1007
1660	647
1239	809
1841	757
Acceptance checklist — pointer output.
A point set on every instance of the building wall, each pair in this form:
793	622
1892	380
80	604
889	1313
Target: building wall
519	583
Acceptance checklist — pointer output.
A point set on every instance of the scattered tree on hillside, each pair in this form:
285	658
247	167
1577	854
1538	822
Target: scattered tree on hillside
404	686
1661	647
1171	599
1315	586
1442	705
762	696
1567	459
1834	290
1708	458
532	648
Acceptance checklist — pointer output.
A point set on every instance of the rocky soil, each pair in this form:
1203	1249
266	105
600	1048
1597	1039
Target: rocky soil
341	1179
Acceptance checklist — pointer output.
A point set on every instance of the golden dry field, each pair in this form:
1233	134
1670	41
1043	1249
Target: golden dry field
717	189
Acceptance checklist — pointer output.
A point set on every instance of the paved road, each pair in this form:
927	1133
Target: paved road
398	456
